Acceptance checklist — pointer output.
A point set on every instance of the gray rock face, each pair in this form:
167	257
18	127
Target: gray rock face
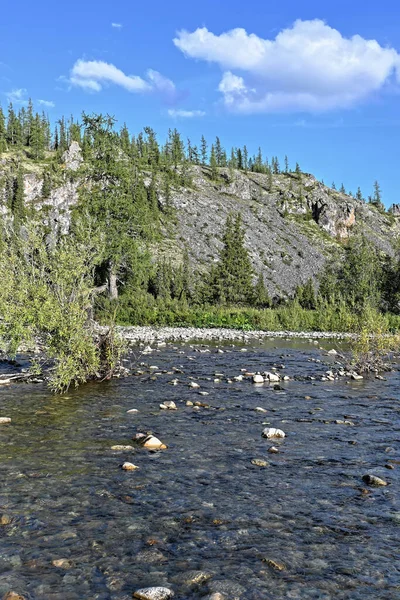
292	228
73	157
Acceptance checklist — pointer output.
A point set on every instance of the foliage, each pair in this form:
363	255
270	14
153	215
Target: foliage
46	294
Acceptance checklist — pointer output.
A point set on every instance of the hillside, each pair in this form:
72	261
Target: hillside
293	223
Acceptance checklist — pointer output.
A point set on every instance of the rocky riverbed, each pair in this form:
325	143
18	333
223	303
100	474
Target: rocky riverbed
286	488
150	334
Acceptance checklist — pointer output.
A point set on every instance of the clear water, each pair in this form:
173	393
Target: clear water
202	505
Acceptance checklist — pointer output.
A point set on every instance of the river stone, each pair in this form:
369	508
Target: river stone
118	447
215	596
260	409
153	443
154	593
332	352
374	480
127	466
356	376
13	596
169	404
272	432
194	385
227	587
273	450
259	462
272	377
258	378
192	577
4	420
132	411
62	563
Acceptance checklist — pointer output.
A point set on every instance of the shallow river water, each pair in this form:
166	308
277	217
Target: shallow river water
200	517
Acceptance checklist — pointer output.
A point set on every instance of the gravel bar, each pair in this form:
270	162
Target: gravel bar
146	335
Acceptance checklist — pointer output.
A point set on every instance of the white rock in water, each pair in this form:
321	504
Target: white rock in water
132	411
153	443
118	447
333	351
258	378
272	432
374	480
271	376
4	420
260	409
193	384
154	593
356	376
168	405
127	466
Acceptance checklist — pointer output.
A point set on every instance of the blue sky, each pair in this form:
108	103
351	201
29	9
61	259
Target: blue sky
317	81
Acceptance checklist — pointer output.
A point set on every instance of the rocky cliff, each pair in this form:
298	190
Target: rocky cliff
294	224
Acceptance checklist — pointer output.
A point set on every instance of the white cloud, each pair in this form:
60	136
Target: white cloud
185	114
116	25
307	67
46	103
17	96
94	74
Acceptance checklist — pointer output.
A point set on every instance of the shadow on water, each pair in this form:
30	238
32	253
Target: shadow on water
305	526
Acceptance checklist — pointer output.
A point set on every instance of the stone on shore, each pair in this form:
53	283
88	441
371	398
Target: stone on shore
4	420
154	593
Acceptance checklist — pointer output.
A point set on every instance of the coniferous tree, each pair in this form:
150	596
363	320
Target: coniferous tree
3	132
213	163
203	151
261	296
233	274
377	196
286	164
18	196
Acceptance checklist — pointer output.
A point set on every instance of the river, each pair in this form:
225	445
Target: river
200	517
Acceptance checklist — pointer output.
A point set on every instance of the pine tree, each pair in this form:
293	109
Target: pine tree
239	159
261	296
245	158
286	164
359	195
377	196
213	163
203	150
342	189
3	132
18	202
297	169
333	186
234	271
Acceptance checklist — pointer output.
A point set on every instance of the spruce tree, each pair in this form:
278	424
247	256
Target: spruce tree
234	271
213	163
261	296
18	197
203	150
3	132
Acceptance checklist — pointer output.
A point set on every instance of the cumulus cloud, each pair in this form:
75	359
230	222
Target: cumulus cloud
17	96
307	67
93	75
185	114
116	25
46	103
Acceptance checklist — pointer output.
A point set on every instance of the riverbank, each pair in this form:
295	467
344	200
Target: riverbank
148	334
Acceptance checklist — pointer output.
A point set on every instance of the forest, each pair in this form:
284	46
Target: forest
56	285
